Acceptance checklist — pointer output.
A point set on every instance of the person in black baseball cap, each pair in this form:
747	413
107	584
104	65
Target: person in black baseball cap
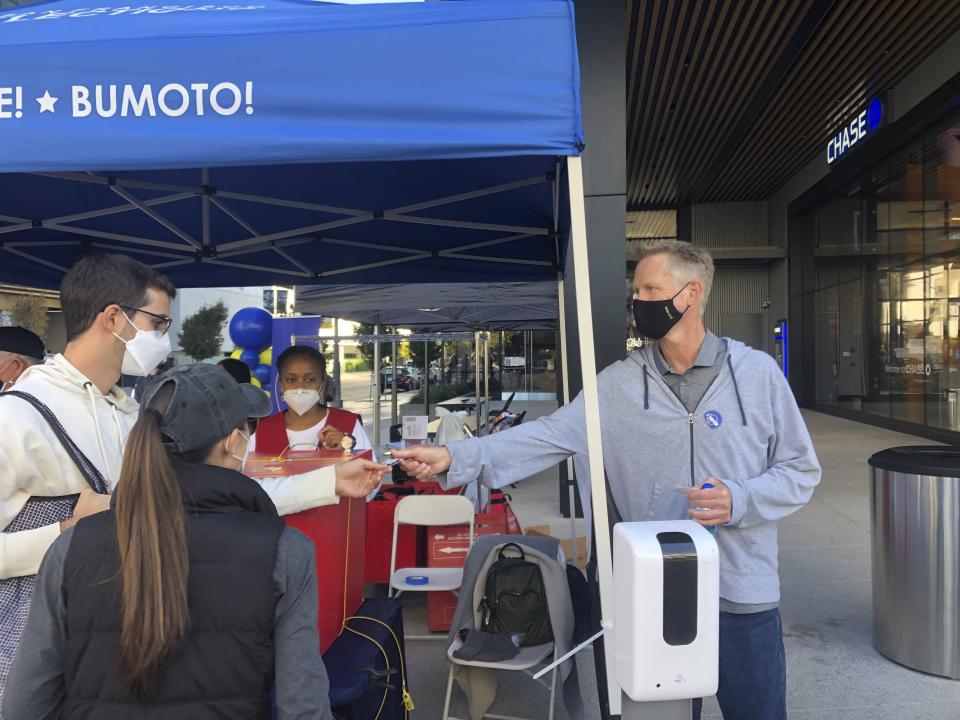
190	585
19	349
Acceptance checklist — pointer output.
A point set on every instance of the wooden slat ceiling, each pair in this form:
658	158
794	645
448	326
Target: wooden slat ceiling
728	99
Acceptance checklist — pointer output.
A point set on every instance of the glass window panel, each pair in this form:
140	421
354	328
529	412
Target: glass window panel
897	228
941	188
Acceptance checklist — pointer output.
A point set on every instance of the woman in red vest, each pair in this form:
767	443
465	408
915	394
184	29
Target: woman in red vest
307	424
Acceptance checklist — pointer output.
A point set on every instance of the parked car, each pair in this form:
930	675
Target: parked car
414	372
404	380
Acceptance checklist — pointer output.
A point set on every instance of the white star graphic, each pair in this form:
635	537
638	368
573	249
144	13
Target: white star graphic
47	102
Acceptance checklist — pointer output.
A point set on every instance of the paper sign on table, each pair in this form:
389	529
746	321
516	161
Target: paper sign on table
414	427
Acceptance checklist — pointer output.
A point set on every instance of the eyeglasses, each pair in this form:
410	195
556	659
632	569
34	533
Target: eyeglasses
252	424
163	321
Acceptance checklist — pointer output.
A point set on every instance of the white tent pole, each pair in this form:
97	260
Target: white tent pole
376	388
486	380
337	396
426	379
565	381
477	369
393	395
591	404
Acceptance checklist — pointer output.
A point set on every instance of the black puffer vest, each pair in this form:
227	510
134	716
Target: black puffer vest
224	668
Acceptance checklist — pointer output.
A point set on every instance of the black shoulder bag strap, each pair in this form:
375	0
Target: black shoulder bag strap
89	471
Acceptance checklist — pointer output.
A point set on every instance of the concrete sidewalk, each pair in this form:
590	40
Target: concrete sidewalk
833	671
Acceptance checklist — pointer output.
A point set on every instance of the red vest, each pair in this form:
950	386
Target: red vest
272	431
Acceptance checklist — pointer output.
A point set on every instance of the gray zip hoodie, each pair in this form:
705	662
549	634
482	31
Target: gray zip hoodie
746	431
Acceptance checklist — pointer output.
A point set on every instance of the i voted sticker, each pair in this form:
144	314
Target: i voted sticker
713	419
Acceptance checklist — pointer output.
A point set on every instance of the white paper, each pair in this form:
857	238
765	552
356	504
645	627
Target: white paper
414	427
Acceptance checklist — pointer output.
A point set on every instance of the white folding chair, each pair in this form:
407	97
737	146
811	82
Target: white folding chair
428	510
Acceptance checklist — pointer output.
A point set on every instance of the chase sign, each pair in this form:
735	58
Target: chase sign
856	130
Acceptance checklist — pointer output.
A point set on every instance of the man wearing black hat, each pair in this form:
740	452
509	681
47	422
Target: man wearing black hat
19	349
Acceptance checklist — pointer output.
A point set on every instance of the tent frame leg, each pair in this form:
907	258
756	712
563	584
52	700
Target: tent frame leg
376	388
338	394
565	381
591	403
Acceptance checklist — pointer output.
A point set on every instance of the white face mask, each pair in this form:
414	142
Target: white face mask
144	352
300	400
246	452
6	384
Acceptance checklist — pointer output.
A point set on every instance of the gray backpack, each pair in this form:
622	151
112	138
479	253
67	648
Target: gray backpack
515	599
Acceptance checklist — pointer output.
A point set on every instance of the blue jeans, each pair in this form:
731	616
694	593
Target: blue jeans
753	670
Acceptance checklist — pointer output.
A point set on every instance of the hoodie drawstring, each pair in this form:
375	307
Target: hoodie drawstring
120	436
88	386
646	390
733	376
736	389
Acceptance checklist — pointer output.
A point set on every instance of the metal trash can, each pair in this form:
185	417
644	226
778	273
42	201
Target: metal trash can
915	528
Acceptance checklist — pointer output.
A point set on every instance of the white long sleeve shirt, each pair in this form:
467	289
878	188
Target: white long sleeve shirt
34	463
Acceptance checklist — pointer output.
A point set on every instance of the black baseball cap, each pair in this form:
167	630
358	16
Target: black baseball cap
207	404
21	341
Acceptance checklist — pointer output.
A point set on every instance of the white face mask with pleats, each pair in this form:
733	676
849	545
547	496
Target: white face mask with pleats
144	352
246	453
5	384
300	400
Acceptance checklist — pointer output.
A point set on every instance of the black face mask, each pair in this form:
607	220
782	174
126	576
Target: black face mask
655	318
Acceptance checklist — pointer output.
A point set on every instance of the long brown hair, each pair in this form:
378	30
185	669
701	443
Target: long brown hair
154	561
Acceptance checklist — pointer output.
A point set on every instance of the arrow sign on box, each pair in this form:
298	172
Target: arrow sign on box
449	550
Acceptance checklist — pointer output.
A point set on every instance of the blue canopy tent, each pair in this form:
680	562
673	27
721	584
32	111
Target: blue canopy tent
298	142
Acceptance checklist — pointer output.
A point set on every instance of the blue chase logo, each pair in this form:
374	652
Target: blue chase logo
713	419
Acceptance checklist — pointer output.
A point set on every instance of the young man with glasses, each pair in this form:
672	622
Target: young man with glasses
117	314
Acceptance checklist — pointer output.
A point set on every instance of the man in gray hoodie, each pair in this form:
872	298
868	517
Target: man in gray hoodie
684	411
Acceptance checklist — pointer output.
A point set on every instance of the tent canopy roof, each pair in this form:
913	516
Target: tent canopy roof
439	306
287	141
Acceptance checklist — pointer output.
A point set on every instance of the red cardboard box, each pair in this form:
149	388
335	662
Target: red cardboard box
336	530
447	546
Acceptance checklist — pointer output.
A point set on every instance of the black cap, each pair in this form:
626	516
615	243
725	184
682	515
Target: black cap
206	406
22	342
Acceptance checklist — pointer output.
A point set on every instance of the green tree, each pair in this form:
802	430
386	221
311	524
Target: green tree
30	312
416	353
200	336
366	349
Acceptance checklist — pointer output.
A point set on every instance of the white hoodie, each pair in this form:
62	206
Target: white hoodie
34	463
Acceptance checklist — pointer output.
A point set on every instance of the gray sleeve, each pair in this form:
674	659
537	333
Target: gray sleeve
515	454
793	470
35	686
302	688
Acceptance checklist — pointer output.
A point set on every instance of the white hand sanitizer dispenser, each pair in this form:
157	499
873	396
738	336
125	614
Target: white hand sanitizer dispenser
666	610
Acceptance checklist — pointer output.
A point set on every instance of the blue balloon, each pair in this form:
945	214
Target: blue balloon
262	373
252	328
250	357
